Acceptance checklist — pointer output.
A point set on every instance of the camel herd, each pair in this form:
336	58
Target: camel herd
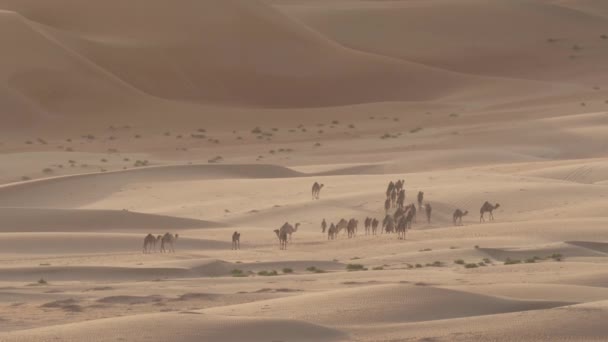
399	221
166	243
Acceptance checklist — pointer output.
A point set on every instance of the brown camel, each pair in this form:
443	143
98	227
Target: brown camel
323	226
289	229
457	217
368	225
316	190
342	224
389	190
420	199
487	208
387	205
351	228
282	235
428	209
388	224
332	232
236	240
375	223
149	244
168	240
401	199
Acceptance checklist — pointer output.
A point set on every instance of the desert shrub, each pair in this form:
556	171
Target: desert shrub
313	269
256	130
418	266
556	256
104	160
487	261
510	261
378	268
216	159
415	130
47	170
42	281
355	267
287	270
25	178
459	262
470	266
435	264
237	273
268	273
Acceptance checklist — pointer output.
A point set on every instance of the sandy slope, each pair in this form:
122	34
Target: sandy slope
114	114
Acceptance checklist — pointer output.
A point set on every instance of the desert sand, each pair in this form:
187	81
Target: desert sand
121	118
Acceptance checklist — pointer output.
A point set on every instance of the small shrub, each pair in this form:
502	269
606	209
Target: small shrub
425	250
415	130
530	261
137	136
256	130
268	273
237	273
470	266
42	281
556	257
418	266
487	261
459	262
287	270
313	269
378	268
435	264
510	261
47	170
104	160
355	267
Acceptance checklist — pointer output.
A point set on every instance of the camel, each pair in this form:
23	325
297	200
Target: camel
457	217
368	225
489	208
394	198
282	235
402	227
401	199
412	208
158	239
149	244
388	224
399	212
352	228
332	232
389	190
399	184
428	209
316	190
420	199
236	240
343	224
387	205
323	226
289	229
375	223
168	239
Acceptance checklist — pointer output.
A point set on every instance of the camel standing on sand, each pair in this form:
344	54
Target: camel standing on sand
420	199
428	209
236	240
332	232
149	243
394	198
351	228
489	208
168	239
282	235
402	227
316	190
323	226
342	224
401	199
289	229
389	190
368	225
375	224
388	224
457	217
387	205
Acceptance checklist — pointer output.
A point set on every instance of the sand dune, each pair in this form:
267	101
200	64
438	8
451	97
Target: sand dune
185	327
482	46
383	304
67	220
239	106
